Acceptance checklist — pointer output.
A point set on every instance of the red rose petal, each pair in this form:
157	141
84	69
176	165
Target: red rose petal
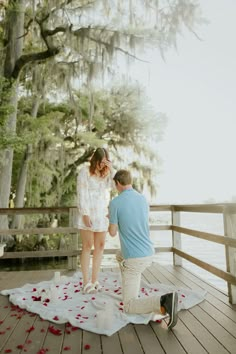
30	329
20	346
8	351
67	348
87	346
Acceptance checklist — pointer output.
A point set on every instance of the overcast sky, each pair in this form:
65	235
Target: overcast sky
196	88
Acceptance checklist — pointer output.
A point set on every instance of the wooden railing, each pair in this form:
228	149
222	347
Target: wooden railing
228	239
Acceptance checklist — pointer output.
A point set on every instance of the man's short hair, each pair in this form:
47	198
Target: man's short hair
123	177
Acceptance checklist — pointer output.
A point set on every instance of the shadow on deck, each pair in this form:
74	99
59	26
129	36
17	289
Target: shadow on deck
209	327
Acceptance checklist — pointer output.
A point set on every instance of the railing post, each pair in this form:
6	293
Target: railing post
73	216
230	231
176	237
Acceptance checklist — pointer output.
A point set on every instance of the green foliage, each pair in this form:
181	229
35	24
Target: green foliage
5	95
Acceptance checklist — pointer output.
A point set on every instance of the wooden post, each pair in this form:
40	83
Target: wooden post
230	231
73	217
176	237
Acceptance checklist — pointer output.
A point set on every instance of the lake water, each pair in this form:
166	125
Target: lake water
209	252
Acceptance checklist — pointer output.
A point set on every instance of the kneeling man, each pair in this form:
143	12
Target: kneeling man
129	214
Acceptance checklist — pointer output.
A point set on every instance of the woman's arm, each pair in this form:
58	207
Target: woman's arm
82	192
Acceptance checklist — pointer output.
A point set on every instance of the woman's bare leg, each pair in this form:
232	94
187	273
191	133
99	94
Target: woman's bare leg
99	243
87	238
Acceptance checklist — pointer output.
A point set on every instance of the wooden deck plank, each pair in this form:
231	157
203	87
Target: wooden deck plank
111	345
36	338
72	341
209	327
19	333
226	308
226	339
129	340
94	341
184	335
204	285
8	325
202	334
54	343
168	340
148	339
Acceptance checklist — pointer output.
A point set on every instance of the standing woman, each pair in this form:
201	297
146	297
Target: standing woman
93	186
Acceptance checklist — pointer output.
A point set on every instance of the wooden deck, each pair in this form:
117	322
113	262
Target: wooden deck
209	327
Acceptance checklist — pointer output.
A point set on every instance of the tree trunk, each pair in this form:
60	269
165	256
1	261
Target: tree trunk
18	220
14	34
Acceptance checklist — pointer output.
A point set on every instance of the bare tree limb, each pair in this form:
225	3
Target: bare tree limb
27	58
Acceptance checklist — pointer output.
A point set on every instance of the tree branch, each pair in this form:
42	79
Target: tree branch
117	49
27	58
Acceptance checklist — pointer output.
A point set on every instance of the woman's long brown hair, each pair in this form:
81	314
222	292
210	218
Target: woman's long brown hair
97	157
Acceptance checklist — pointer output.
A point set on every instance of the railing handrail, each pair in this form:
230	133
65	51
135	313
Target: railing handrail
198	208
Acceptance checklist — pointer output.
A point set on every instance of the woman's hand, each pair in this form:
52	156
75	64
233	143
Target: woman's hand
87	221
108	164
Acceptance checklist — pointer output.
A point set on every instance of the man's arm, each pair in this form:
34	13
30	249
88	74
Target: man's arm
112	229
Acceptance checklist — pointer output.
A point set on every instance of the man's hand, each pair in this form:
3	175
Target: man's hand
112	229
87	221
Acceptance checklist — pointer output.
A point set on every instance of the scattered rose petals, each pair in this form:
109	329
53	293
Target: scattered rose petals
55	318
54	330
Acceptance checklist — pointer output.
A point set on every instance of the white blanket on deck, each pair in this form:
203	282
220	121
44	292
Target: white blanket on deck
62	301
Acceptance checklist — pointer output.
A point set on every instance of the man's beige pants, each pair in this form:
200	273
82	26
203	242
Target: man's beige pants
131	271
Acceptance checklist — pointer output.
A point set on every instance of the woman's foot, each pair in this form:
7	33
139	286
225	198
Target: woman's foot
97	286
89	288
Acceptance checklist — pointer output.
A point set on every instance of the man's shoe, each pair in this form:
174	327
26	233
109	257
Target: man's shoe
169	303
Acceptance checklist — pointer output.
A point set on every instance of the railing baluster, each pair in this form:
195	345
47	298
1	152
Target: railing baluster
176	237
230	252
73	218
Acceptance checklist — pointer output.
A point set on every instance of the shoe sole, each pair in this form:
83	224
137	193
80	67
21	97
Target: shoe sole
174	314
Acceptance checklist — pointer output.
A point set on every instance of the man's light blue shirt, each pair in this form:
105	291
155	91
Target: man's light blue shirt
129	211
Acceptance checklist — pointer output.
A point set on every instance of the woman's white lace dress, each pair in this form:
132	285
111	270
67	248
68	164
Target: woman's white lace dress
93	199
